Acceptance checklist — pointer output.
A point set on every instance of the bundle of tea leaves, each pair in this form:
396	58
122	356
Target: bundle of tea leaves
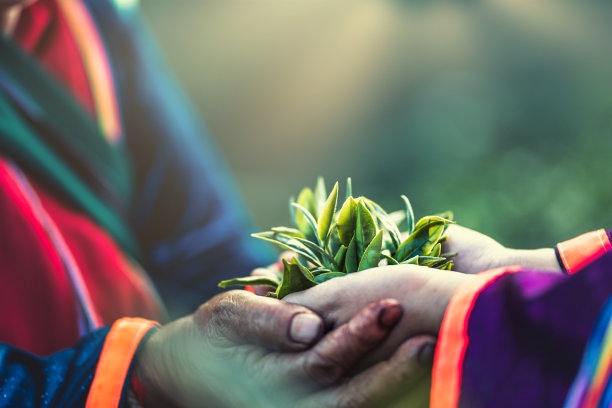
361	235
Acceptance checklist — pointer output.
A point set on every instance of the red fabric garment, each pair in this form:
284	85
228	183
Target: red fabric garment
43	32
117	285
38	306
38	310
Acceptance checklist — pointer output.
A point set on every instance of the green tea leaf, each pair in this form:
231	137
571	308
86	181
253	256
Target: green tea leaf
435	231
422	240
387	223
413	261
250	280
320	194
327	276
435	252
349	188
340	257
371	255
291	232
448	214
332	241
347	218
351	261
295	278
305	200
388	243
409	214
304	270
390	259
317	271
319	252
288	243
309	219
328	210
365	228
331	245
430	260
431	218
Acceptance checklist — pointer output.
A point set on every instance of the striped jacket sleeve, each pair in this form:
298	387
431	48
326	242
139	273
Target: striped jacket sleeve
93	373
516	337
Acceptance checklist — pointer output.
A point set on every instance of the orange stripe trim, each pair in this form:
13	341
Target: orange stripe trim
578	252
117	354
453	340
96	63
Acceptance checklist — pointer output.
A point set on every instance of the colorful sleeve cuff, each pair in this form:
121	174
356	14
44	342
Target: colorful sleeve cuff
114	364
578	252
453	339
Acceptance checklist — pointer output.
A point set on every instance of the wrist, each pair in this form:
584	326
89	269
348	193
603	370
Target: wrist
543	259
146	374
443	289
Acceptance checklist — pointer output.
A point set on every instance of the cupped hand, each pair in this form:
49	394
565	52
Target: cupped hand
477	252
239	349
424	294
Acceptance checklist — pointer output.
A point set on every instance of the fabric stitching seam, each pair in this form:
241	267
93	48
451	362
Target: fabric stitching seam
561	252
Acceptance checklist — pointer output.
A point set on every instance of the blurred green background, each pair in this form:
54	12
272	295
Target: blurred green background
500	110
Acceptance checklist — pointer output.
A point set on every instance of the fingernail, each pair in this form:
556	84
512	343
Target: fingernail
426	354
305	328
389	316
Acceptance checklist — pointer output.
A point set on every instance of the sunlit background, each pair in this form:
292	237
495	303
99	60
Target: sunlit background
500	110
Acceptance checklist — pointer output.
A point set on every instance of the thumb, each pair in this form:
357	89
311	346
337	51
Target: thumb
244	318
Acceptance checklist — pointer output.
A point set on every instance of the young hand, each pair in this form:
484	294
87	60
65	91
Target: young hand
423	292
477	252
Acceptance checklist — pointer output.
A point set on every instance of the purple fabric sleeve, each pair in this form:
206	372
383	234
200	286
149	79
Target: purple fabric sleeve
527	332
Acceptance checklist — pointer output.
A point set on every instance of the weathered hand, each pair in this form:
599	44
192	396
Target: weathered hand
477	252
423	292
239	349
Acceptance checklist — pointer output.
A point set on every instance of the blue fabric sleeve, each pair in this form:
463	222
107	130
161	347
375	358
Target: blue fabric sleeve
59	380
186	211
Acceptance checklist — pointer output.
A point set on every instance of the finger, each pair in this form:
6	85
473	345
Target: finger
244	318
265	272
341	349
401	381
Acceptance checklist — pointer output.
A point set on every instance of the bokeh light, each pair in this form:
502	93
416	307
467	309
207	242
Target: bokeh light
500	109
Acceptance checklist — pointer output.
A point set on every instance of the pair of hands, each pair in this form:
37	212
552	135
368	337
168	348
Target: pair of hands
343	343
